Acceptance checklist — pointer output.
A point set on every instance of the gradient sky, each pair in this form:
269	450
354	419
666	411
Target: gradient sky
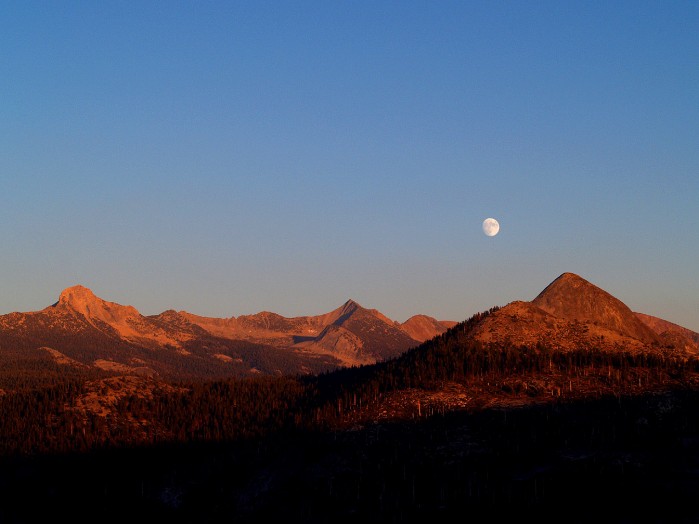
230	157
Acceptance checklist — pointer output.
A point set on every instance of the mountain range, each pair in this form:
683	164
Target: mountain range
83	330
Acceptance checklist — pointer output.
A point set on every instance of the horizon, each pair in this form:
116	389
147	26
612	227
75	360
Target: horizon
348	300
226	159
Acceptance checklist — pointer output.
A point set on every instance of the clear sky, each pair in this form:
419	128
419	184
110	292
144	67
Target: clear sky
230	157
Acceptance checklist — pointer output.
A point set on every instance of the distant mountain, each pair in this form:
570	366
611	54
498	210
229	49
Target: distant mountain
422	327
266	327
115	320
359	336
82	330
351	334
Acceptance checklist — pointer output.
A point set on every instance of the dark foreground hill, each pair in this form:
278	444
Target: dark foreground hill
613	459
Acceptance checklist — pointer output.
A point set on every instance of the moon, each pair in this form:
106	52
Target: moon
491	227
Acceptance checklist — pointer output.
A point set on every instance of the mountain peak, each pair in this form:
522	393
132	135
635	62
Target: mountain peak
348	308
76	295
570	279
566	287
82	300
573	298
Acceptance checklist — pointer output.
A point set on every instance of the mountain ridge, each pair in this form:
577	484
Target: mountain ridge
177	342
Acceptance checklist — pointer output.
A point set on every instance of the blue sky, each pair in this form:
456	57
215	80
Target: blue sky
231	157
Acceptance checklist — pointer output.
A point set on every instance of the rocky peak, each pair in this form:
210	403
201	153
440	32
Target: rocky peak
350	306
82	300
76	295
571	297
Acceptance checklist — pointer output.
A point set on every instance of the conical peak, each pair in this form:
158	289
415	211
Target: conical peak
570	279
349	307
344	312
569	275
574	298
570	291
566	284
